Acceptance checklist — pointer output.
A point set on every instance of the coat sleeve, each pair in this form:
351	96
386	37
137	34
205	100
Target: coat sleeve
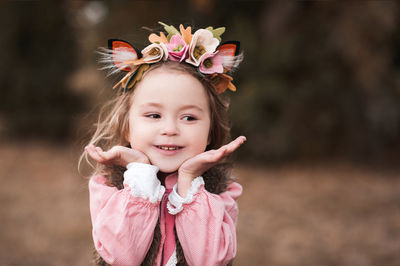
206	223
124	220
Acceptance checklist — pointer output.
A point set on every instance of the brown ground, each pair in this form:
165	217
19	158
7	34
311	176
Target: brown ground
332	214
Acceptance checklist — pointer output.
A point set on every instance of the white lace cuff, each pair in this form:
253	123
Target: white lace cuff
175	201
143	181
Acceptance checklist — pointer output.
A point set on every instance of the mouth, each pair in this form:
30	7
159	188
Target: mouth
168	147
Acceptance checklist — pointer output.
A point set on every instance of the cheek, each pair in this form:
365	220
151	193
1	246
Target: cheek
201	138
137	134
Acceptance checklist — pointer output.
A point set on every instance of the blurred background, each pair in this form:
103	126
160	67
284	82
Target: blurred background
318	99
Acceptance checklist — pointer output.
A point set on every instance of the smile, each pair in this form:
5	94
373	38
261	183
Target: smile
169	148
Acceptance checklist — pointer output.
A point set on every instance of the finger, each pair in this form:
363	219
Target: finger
89	148
232	146
93	154
216	155
109	155
103	157
229	148
240	140
101	154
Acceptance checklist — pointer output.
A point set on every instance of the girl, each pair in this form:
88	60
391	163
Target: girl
161	194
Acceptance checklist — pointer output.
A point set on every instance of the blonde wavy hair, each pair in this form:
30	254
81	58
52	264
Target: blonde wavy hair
113	122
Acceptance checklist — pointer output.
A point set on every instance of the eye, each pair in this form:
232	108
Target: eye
189	118
153	116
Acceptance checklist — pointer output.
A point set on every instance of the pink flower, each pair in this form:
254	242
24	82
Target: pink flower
212	63
177	48
203	43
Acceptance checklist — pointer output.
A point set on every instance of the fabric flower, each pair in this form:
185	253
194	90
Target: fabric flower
186	33
154	53
201	49
154	38
203	43
177	48
221	82
212	63
135	77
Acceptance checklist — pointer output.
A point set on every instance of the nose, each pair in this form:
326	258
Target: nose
170	127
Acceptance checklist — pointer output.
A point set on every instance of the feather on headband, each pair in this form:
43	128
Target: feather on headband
203	50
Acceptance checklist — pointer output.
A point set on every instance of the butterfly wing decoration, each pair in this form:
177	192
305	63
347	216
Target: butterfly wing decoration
123	54
230	53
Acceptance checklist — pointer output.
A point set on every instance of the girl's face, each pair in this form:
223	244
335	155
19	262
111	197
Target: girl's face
169	118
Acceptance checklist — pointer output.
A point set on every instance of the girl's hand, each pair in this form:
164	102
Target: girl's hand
117	155
200	163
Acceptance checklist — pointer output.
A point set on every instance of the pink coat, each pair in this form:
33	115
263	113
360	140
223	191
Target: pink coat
124	220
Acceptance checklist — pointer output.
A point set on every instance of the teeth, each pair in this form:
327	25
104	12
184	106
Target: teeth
168	148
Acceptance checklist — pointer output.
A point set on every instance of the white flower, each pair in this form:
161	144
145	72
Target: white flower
202	44
155	52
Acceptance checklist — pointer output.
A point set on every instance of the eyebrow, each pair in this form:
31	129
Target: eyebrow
192	106
159	105
150	104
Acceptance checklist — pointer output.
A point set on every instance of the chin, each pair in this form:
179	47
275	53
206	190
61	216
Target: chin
167	168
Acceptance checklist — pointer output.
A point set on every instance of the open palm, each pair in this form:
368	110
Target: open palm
117	155
200	163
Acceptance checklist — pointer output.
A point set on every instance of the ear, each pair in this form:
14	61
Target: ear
229	50
123	52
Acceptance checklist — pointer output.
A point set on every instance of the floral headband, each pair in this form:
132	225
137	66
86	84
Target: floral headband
201	49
